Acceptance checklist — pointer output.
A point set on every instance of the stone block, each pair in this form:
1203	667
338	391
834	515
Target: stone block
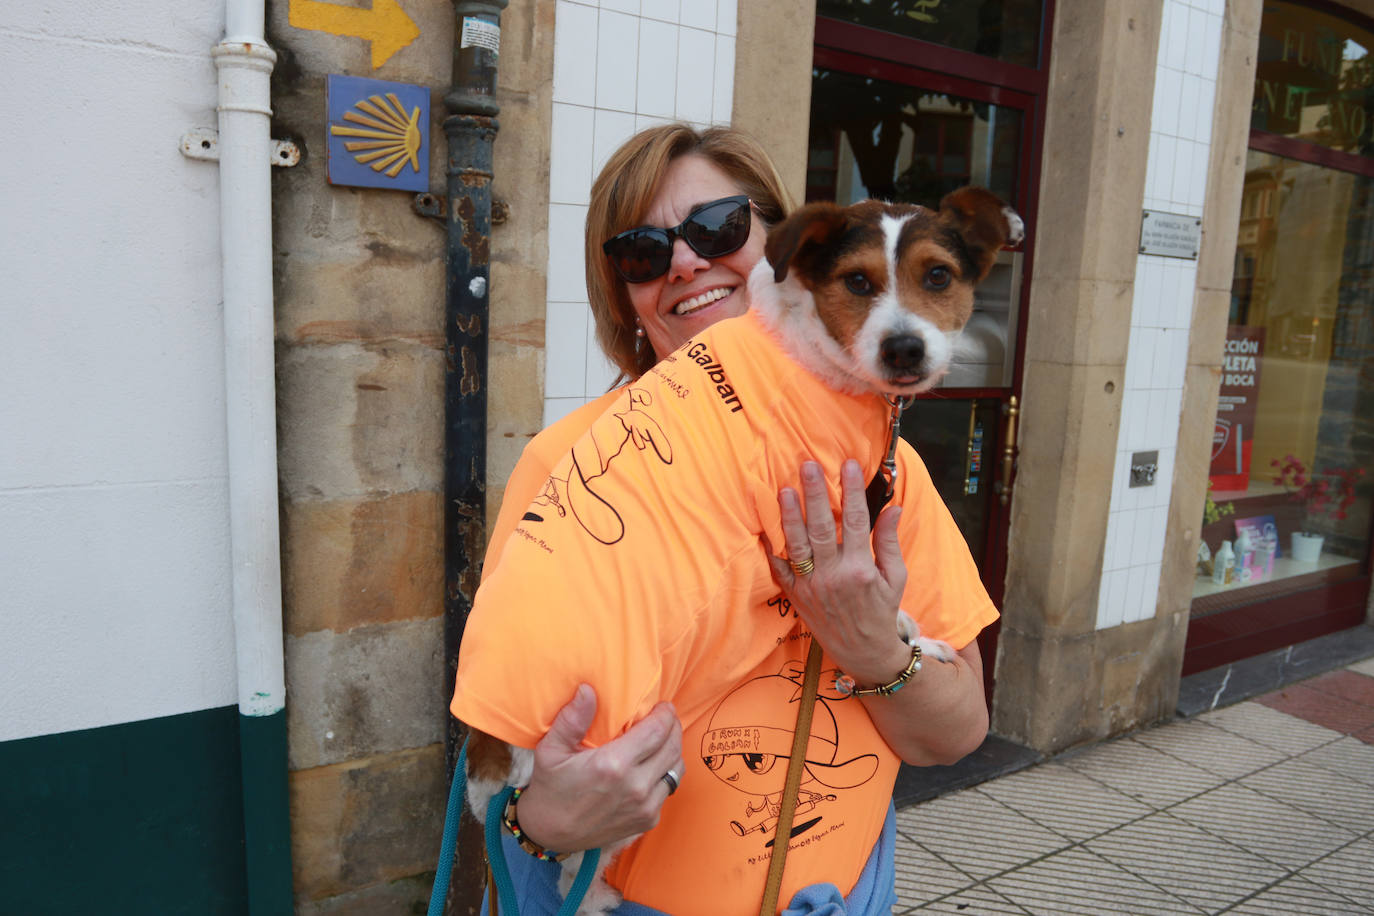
1207	339
1230	140
1067	441
773	51
370	690
361	824
1079	322
400	897
352	563
1097	117
428	54
359	419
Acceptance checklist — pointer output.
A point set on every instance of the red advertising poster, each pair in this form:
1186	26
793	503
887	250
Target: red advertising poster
1235	427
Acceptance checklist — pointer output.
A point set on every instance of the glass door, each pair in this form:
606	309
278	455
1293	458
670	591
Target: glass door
909	102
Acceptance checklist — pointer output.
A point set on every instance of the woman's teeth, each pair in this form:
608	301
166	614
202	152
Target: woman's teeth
711	295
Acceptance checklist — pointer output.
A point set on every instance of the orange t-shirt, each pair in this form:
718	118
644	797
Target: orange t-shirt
638	568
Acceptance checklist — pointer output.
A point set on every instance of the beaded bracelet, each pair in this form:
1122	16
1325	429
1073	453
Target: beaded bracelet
844	684
509	821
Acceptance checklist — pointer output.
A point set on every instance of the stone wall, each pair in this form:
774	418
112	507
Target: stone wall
360	365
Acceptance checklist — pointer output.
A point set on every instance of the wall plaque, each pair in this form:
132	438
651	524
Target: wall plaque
1170	235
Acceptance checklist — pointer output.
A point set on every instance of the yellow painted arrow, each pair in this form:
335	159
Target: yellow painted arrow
386	25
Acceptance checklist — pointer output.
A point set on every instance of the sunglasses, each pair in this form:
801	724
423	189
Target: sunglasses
712	230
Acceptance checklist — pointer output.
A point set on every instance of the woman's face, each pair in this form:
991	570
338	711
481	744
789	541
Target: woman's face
695	293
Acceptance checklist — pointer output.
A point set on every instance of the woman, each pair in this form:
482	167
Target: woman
647	302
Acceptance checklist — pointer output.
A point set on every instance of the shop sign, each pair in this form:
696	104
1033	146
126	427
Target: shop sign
1313	77
1170	235
1234	434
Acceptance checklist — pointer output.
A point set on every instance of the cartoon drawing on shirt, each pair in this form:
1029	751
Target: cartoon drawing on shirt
591	459
748	742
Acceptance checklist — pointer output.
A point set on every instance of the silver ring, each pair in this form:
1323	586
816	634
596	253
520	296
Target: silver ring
673	781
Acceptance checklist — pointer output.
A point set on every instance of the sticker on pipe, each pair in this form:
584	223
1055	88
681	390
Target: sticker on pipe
478	33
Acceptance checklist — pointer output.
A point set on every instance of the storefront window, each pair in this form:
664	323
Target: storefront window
1293	448
1314	78
1006	30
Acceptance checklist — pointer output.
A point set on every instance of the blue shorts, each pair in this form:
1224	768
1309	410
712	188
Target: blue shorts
536	884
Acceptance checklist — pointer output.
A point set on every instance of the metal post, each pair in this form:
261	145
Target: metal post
471	130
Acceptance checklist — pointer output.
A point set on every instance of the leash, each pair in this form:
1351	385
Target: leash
499	884
878	494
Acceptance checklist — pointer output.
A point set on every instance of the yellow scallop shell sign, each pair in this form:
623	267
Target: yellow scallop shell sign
378	134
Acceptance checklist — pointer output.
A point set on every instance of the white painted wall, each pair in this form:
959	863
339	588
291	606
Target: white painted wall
113	494
619	66
1161	311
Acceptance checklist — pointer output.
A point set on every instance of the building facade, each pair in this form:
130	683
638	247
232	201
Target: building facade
1190	313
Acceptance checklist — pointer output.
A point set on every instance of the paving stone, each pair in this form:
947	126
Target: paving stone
1270	727
1321	707
1283	834
976	833
977	899
1076	881
1211	748
1142	772
1348	871
923	876
1199	867
1063	800
1318	792
1350	757
1297	895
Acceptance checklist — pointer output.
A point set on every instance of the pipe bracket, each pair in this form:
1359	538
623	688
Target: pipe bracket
203	143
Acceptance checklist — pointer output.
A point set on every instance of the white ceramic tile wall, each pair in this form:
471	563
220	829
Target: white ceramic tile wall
1161	311
619	66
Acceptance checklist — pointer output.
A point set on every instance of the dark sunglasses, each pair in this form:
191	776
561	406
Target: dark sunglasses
712	230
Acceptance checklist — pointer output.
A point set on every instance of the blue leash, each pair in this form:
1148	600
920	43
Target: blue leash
505	888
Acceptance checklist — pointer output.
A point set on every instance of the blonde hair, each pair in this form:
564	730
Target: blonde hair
623	193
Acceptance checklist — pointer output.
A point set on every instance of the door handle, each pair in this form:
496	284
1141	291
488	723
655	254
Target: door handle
1008	450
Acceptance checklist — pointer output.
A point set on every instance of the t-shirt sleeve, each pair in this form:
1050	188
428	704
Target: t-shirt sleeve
944	592
531	472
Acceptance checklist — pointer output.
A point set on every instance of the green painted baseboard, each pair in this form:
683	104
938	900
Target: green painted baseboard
141	818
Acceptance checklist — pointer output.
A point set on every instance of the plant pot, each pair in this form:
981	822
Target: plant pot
1307	548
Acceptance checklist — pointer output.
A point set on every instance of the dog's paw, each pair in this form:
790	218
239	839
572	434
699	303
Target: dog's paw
935	648
601	898
910	632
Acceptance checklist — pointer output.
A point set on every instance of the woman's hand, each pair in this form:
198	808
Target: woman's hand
584	798
850	599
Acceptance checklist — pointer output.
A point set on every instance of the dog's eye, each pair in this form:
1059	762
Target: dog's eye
858	284
938	277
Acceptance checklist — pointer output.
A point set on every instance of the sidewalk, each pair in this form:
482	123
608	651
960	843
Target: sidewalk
1266	806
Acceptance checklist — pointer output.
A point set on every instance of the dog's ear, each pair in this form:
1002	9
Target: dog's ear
984	223
814	224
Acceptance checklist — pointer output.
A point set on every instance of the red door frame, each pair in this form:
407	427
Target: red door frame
857	49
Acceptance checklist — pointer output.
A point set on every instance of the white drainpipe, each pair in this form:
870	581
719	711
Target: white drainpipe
244	63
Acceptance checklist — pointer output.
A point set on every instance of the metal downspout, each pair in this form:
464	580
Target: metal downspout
471	130
244	63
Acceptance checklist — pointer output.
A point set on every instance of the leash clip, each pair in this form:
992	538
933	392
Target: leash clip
889	468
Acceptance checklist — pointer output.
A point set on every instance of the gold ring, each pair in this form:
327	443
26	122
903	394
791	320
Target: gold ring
802	567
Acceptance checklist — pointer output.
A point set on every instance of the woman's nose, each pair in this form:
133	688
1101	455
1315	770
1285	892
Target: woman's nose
685	262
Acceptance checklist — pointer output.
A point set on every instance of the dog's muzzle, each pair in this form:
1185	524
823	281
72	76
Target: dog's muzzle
903	354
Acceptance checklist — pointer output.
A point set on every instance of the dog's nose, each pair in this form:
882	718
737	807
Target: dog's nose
903	352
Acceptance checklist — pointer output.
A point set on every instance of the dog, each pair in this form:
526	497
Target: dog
867	298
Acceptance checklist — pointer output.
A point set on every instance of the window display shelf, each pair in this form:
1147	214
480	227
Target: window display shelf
1284	568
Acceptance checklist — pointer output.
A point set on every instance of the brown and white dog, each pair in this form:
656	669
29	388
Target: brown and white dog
869	298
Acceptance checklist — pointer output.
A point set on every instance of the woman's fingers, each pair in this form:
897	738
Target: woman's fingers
820	522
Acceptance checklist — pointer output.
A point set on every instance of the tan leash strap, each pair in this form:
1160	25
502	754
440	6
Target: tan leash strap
493	905
810	682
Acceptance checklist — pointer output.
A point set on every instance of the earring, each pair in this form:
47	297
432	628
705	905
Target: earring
639	328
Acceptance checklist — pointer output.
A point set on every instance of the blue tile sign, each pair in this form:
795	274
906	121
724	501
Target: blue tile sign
378	134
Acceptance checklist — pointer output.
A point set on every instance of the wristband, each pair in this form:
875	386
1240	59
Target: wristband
509	821
844	684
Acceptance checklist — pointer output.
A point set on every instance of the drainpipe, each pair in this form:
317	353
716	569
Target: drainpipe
471	130
244	63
